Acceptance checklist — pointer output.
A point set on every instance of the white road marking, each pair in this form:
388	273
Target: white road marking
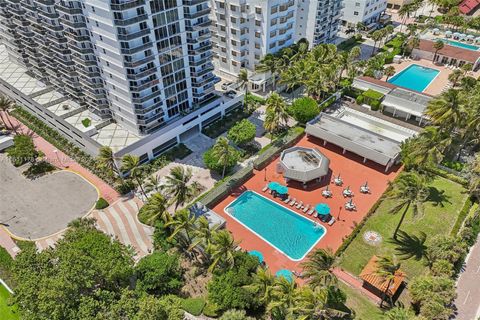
466	298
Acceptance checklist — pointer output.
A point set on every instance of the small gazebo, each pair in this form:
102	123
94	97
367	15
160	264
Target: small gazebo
303	164
377	284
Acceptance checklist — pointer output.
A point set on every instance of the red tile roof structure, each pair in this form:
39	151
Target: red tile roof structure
468	6
450	51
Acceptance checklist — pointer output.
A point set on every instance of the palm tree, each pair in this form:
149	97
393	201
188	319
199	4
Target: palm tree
412	43
446	111
455	77
106	161
152	184
262	285
399	313
404	13
409	190
317	269
271	64
387	269
243	81
312	303
438	45
223	152
466	68
222	250
183	222
276	107
5	105
389	71
156	207
376	36
131	164
177	185
283	298
203	236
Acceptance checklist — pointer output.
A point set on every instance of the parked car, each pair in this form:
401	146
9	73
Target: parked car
231	94
226	85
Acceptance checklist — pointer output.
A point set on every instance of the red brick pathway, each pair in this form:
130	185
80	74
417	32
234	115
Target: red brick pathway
355	283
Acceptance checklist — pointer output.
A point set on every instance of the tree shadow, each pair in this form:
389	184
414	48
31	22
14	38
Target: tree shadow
409	246
438	197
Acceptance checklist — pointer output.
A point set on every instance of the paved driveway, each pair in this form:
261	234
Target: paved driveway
42	206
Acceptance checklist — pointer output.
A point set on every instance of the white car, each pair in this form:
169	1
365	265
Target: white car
226	85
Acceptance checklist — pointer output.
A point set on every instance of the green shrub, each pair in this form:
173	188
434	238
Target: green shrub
454	165
461	216
304	109
180	151
86	122
360	99
22	151
212	161
373	95
211	310
159	273
449	176
38	168
125	187
6	264
193	305
375	105
242	133
101	204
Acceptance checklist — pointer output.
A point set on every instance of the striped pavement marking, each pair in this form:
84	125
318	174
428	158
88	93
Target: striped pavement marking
119	221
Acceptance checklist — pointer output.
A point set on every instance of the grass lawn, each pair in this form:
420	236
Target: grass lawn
364	309
441	210
7	312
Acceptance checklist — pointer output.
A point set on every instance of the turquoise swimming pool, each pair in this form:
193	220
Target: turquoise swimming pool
284	229
414	77
462	45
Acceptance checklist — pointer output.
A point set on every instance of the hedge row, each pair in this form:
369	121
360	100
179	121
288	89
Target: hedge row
225	187
461	216
450	176
277	146
61	143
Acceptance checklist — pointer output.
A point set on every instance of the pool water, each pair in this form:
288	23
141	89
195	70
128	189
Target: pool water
461	45
284	229
414	77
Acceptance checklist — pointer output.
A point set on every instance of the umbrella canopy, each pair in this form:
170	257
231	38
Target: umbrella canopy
273	185
322	209
477	39
257	254
282	189
287	274
462	35
470	36
436	29
448	32
456	33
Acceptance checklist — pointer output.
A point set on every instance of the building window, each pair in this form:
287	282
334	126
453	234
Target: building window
355	13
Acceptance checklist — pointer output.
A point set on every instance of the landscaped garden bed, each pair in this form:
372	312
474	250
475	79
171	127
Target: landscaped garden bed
222	125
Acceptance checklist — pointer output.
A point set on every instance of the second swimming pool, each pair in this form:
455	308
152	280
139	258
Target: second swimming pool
414	77
284	229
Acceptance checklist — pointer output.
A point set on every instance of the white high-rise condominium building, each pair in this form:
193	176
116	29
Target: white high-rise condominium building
367	12
246	30
142	64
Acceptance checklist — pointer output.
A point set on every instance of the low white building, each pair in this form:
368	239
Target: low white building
367	12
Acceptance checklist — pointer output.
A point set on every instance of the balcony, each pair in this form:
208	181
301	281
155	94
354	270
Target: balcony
139	62
129	21
133	35
136	49
117	5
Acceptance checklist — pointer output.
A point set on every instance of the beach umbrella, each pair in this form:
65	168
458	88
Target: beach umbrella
462	35
257	254
470	36
448	32
287	274
273	185
322	209
436	29
456	34
282	189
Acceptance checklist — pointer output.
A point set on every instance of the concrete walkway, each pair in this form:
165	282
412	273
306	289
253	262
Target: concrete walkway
468	289
355	283
7	243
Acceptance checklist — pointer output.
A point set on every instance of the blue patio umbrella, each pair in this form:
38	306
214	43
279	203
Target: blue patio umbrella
322	209
273	185
287	274
282	189
257	254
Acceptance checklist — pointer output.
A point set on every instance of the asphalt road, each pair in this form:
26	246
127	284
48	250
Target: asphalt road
468	287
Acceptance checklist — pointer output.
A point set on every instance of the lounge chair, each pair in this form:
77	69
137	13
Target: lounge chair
315	214
332	221
306	208
299	205
294	200
311	211
287	200
265	188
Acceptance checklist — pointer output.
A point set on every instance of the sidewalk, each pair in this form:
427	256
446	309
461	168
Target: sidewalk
62	161
355	283
8	243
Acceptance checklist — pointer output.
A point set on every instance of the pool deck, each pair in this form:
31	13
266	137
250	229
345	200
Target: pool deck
354	173
441	80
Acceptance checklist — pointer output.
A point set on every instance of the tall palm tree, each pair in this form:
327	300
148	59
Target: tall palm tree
243	81
152	184
131	164
223	152
447	110
203	235
222	250
275	106
106	161
438	45
317	269
399	313
156	207
5	105
404	12
389	71
312	303
262	285
387	269
283	298
178	186
376	36
412	43
269	63
183	222
455	77
409	190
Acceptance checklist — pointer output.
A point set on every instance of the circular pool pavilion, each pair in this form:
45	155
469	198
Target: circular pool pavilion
303	164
